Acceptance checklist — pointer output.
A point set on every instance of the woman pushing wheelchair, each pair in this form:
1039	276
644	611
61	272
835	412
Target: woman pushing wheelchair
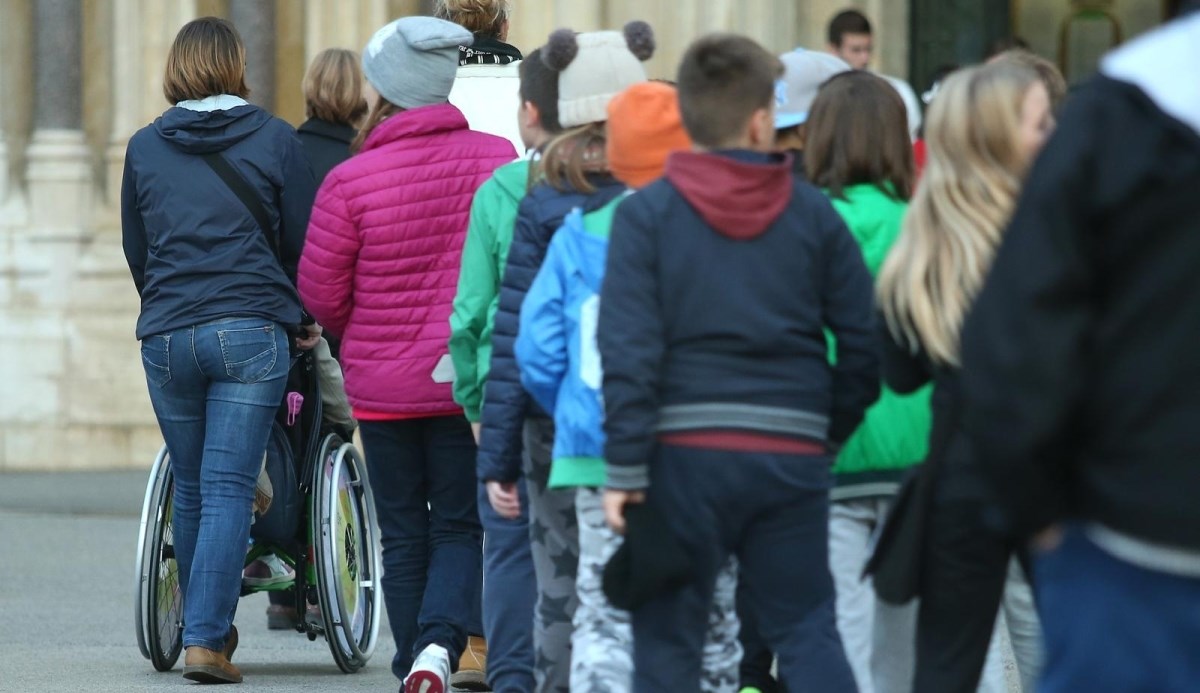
215	201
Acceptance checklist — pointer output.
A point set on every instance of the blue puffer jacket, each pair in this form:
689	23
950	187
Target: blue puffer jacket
557	350
196	253
505	402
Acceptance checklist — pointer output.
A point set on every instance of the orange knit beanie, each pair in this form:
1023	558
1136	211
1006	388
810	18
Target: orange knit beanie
644	127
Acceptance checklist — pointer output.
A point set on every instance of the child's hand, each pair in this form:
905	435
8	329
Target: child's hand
312	336
614	506
504	499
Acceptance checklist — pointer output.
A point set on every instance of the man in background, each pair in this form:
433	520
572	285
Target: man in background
850	39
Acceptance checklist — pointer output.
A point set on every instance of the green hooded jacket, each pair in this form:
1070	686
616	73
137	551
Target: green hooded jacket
485	253
894	434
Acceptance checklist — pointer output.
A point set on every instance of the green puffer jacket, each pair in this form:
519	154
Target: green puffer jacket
485	253
894	434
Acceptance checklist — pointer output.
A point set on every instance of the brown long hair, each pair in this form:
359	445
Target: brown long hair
857	132
572	155
383	110
207	58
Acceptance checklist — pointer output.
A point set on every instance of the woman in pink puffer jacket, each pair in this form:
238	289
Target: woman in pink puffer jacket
380	269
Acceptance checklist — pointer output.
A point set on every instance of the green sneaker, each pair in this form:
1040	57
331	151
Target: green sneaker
748	689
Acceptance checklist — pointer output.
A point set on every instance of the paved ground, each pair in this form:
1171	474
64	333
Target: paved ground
67	544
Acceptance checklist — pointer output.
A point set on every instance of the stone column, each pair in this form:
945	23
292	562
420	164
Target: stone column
5	88
126	90
143	31
344	25
255	21
60	174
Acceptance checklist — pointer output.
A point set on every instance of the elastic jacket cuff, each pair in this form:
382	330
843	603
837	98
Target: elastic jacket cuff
628	477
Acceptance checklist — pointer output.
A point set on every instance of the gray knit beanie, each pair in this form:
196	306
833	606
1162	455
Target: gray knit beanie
412	61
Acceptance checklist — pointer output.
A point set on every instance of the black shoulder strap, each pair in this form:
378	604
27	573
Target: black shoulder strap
238	185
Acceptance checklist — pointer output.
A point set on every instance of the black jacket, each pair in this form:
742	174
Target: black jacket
906	371
326	145
1081	375
195	252
505	402
722	279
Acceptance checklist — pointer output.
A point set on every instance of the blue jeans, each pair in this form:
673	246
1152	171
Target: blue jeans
772	512
1111	626
423	479
215	389
509	593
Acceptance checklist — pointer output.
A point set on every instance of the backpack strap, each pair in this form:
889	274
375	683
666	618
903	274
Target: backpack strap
238	185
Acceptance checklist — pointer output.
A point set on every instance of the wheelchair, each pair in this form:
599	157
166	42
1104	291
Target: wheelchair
321	522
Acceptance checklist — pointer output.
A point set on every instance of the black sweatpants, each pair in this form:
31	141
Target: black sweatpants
963	576
772	512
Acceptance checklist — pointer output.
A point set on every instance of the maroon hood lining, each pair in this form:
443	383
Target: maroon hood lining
739	199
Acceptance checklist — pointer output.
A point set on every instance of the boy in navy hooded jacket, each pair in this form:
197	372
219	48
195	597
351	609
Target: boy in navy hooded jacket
561	370
721	406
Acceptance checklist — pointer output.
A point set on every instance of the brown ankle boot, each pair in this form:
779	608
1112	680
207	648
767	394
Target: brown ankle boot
231	643
472	666
209	666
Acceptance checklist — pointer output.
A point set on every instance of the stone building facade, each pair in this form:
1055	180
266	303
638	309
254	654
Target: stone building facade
78	77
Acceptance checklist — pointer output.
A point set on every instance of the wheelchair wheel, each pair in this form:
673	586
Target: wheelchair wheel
347	561
158	606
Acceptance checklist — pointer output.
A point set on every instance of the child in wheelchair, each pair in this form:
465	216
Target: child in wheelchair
269	571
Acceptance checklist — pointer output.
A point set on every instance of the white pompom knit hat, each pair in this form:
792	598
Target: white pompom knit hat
595	66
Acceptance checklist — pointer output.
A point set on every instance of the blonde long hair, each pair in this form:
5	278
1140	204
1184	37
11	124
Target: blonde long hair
964	201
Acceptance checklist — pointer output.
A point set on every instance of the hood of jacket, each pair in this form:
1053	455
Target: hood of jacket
207	131
513	180
739	193
874	218
585	241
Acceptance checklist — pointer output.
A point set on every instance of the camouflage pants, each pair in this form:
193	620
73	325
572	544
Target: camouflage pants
602	643
554	543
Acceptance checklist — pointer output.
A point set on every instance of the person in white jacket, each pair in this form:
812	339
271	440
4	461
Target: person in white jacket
485	88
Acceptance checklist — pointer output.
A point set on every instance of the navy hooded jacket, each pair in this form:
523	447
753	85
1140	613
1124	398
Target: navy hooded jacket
505	401
195	251
722	280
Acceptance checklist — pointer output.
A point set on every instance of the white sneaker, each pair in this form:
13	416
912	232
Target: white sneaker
430	673
268	571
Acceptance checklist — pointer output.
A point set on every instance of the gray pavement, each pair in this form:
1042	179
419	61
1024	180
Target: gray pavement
67	545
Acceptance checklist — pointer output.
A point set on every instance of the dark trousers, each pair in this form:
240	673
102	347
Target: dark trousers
423	480
757	658
772	512
1113	627
509	594
962	583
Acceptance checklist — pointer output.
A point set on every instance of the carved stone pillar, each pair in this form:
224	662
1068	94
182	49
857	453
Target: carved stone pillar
143	31
255	21
60	173
5	88
345	25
